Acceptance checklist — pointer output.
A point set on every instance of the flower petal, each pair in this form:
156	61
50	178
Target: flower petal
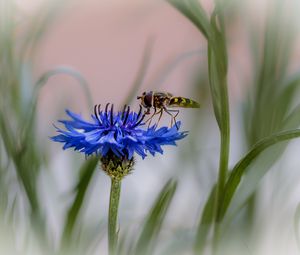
119	133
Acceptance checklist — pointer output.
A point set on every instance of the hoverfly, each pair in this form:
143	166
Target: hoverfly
162	102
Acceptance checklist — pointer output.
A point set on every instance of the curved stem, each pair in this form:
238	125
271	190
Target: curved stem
223	171
113	215
218	67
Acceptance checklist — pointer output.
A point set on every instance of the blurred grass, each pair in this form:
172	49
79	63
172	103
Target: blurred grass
271	114
270	107
16	127
147	241
18	101
86	173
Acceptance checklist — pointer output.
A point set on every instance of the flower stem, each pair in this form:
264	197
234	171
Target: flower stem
113	215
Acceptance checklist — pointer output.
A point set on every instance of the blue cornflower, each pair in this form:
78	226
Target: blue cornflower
116	135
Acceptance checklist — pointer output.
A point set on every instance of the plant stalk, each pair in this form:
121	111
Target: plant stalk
223	171
224	149
113	215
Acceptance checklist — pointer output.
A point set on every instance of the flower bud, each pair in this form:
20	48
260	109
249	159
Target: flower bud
116	167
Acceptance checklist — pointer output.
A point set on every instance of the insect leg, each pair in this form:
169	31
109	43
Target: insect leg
173	116
150	119
156	112
161	112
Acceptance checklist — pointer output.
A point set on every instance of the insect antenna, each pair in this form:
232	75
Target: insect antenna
161	113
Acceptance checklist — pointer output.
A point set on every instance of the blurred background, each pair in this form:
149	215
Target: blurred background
72	54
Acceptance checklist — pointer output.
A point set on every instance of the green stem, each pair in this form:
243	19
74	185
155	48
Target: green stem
113	215
225	144
223	170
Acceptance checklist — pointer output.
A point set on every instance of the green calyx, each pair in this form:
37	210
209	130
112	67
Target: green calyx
116	167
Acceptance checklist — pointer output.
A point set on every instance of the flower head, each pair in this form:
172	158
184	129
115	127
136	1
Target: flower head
115	134
119	133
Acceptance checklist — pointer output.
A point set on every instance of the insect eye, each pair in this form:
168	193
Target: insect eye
148	100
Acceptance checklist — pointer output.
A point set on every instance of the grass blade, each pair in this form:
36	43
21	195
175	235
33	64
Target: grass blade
296	225
87	170
205	224
214	31
241	167
155	218
67	71
260	166
194	12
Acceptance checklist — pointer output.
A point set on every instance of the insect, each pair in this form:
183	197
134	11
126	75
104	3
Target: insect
164	102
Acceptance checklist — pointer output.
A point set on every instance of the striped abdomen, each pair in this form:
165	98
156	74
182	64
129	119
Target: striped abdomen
183	102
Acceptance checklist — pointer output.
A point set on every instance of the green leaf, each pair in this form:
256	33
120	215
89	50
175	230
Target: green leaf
283	104
213	81
194	12
293	119
67	71
270	74
217	68
181	242
87	170
155	218
275	112
261	165
125	242
6	132
296	225
205	224
89	237
242	166
218	87
28	118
